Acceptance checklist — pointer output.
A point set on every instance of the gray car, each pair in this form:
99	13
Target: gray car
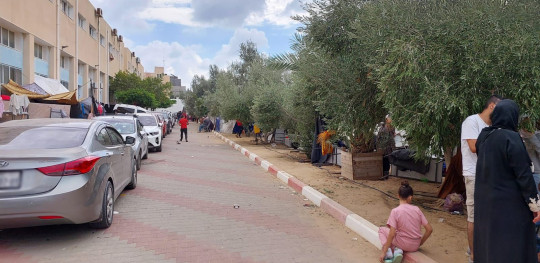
62	171
129	125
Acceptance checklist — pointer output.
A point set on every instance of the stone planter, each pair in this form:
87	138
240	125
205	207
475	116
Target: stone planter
362	166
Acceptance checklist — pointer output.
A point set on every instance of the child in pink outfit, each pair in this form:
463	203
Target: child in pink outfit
404	231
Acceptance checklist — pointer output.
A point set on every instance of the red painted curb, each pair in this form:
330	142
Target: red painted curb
336	210
258	160
274	170
247	153
296	184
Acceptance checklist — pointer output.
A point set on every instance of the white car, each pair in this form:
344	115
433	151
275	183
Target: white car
129	125
152	128
127	108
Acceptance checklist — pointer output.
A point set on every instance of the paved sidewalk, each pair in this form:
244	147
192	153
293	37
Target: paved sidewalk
183	210
364	228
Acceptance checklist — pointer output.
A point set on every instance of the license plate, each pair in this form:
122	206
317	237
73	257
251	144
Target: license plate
10	180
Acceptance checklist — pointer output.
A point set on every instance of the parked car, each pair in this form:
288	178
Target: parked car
128	125
161	123
165	120
127	108
152	128
62	171
168	121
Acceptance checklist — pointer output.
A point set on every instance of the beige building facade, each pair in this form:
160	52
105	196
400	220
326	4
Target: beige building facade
159	72
67	40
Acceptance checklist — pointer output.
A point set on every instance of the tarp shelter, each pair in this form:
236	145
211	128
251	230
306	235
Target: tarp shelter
69	97
16	89
51	86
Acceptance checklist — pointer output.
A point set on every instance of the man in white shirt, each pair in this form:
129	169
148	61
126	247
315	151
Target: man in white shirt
470	129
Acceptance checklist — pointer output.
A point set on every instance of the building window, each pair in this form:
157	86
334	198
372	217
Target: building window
82	22
7	73
93	32
67	8
102	40
65	83
7	38
38	51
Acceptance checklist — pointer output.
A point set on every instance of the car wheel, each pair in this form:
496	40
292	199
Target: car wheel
133	183
145	155
138	161
158	149
107	208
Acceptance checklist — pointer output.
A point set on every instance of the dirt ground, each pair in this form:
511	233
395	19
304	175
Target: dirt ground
372	200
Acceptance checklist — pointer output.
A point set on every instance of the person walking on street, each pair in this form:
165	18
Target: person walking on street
506	198
183	128
470	129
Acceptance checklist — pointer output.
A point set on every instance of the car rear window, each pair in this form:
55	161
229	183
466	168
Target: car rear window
148	120
23	137
122	126
125	110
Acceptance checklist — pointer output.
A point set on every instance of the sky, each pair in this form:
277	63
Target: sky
187	36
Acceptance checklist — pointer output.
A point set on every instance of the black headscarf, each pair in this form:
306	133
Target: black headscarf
505	115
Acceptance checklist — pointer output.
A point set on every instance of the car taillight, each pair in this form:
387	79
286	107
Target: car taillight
79	166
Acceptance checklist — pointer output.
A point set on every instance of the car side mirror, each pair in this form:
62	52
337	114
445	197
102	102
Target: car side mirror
130	140
159	124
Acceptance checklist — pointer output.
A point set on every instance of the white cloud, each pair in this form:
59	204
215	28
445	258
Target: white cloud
229	51
122	14
277	12
186	61
182	61
176	15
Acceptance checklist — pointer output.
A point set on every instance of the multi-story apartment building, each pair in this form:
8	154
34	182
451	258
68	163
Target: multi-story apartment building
67	40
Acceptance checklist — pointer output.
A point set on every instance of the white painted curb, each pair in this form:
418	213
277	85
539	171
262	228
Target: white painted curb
284	176
364	228
313	195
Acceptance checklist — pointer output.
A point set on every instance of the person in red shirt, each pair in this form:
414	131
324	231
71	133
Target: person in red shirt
183	128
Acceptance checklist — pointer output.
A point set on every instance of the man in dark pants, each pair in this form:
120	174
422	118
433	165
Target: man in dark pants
183	128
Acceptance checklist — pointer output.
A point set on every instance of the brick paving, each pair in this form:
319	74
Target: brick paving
183	211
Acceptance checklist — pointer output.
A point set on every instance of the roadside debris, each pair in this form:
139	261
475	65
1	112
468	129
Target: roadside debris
236	206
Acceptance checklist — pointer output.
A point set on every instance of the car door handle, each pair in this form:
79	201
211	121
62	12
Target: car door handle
122	153
108	154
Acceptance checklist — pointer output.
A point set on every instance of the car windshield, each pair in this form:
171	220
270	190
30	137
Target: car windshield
148	120
51	137
122	126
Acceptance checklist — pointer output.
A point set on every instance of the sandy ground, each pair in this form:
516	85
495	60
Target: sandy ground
372	200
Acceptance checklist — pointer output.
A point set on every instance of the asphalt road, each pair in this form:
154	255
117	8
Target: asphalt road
199	201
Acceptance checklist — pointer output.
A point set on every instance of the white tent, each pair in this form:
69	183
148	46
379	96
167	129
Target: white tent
51	86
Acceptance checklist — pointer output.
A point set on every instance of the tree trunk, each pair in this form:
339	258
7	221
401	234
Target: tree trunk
448	153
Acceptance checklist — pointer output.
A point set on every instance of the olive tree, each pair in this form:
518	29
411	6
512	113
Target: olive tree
437	61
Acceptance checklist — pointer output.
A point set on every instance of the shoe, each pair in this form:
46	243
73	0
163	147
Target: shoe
177	142
397	258
389	255
398	255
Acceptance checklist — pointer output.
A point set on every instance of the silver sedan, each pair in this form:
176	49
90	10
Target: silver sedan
62	171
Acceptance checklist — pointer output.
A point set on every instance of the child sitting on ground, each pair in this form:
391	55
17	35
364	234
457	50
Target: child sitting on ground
404	231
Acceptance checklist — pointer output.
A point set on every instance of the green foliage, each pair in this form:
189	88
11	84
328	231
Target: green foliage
124	85
337	74
137	96
436	62
267	107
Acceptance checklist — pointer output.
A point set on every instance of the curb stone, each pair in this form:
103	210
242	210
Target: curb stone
356	223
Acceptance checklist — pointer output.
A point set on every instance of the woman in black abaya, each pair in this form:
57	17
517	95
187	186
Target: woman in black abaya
505	198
